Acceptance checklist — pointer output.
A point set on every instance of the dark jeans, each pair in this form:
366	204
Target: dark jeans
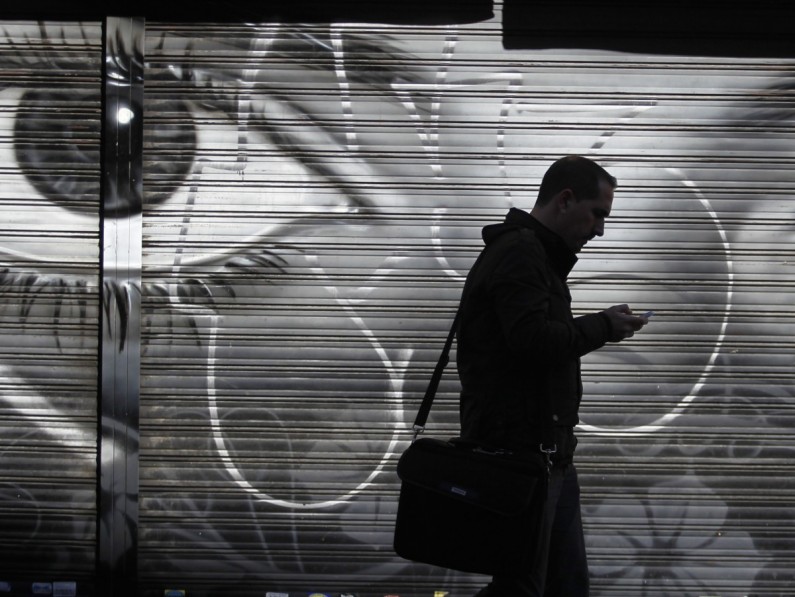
561	571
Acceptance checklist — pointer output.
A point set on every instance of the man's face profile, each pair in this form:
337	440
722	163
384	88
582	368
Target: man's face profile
582	219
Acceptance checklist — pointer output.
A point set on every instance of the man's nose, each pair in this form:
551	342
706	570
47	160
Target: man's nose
599	229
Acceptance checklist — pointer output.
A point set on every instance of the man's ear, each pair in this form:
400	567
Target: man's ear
563	199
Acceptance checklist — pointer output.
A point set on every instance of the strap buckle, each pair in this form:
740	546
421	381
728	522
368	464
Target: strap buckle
548	452
418	429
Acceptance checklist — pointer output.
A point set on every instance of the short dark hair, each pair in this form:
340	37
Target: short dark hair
577	173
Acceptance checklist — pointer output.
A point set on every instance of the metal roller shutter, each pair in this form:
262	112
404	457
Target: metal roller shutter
50	104
313	197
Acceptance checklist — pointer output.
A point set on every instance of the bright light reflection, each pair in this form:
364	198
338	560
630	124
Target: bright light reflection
124	115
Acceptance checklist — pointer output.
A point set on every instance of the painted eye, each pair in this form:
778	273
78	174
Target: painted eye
176	128
57	148
56	145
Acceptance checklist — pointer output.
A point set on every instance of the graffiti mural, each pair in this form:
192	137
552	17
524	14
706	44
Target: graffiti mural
313	197
50	103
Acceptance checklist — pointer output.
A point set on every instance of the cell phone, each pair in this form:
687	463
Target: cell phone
648	314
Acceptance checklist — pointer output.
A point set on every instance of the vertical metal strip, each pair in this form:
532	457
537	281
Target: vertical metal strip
121	299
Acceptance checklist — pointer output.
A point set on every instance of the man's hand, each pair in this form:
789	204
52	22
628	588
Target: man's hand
623	323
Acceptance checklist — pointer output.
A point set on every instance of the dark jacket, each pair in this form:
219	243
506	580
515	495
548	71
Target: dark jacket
518	343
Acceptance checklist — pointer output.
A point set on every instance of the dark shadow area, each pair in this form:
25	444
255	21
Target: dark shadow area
704	28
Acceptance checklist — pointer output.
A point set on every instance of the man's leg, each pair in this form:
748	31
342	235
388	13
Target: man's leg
531	584
567	569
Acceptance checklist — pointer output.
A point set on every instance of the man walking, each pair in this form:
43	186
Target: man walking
519	349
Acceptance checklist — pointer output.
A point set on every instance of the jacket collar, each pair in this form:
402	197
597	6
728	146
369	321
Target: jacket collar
561	257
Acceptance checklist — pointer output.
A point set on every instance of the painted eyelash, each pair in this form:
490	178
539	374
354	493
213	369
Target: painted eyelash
26	289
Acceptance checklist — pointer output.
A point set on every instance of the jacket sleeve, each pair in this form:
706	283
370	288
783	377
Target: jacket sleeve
534	310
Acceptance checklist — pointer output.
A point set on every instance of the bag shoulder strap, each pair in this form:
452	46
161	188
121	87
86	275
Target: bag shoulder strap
436	377
547	446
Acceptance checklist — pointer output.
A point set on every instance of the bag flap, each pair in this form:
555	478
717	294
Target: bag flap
489	480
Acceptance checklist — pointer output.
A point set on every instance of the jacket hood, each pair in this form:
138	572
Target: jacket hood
514	220
561	257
